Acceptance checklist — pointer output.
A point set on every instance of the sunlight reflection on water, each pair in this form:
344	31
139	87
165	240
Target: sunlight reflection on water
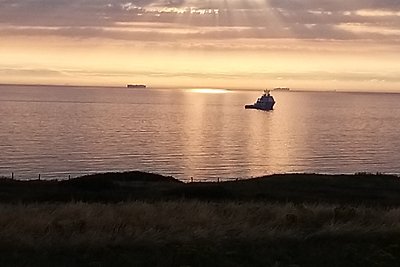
207	91
61	131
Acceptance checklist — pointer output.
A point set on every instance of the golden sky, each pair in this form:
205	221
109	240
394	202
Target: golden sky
246	44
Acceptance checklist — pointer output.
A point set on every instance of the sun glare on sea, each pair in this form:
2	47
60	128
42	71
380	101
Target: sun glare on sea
208	91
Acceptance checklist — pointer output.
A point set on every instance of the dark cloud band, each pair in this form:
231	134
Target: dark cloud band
213	20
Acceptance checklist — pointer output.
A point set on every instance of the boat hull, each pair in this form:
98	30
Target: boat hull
260	107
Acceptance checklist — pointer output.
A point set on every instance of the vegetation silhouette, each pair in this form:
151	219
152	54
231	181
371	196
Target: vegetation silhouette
144	219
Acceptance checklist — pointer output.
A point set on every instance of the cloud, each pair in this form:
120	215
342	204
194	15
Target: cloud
335	6
29	72
149	20
309	76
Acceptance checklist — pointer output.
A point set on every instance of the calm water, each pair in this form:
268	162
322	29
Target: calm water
61	131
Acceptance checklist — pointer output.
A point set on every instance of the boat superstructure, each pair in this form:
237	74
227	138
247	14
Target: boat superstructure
265	102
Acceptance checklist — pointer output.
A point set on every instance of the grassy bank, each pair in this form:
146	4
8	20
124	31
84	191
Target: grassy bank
141	219
197	233
365	189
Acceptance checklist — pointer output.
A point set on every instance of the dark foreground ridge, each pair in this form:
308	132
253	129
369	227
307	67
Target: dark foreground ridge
361	188
144	219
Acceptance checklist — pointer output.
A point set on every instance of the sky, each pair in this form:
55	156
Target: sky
234	44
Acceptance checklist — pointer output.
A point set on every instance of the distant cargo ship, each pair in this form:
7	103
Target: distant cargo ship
281	89
136	86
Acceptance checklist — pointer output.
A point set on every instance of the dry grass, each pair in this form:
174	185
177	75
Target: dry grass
100	225
125	221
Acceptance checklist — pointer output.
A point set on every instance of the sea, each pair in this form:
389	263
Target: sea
205	135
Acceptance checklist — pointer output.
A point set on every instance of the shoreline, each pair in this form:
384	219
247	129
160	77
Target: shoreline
367	188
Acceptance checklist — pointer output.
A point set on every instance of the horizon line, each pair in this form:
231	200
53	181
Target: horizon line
201	87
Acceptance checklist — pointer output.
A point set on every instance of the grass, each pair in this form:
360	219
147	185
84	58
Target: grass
139	219
101	225
196	232
360	189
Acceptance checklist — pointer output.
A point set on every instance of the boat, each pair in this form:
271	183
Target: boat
265	102
136	86
281	89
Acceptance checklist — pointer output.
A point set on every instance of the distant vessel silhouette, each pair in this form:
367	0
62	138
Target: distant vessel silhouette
282	89
265	102
136	86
